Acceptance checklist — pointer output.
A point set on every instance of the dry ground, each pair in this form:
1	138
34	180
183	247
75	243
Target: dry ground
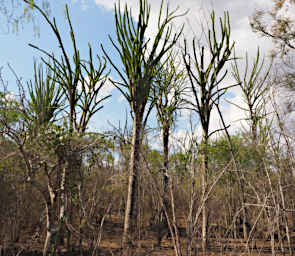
110	245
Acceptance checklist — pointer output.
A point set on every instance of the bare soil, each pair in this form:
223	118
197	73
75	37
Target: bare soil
110	245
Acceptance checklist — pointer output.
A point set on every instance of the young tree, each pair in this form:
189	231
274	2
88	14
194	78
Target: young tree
253	89
205	78
168	96
140	57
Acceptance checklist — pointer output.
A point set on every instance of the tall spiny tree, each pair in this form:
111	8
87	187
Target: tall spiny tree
168	95
205	78
254	90
81	83
140	57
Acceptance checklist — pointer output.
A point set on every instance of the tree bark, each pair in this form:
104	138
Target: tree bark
165	172
204	186
63	194
50	241
166	156
131	210
204	209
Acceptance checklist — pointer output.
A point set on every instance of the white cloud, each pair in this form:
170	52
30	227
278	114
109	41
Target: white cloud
103	92
121	98
106	89
246	40
109	4
186	5
198	16
180	140
84	4
233	116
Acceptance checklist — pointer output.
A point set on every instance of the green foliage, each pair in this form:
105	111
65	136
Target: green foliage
247	158
81	81
101	152
180	163
254	89
155	159
168	92
52	136
139	55
46	98
205	78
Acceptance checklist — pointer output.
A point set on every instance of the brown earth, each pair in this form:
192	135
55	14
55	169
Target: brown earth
110	245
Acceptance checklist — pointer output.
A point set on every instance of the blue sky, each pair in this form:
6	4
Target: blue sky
93	21
92	25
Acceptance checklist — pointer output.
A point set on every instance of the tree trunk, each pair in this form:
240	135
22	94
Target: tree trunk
204	188
165	173
62	194
62	209
204	213
132	200
166	157
52	229
50	241
245	221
